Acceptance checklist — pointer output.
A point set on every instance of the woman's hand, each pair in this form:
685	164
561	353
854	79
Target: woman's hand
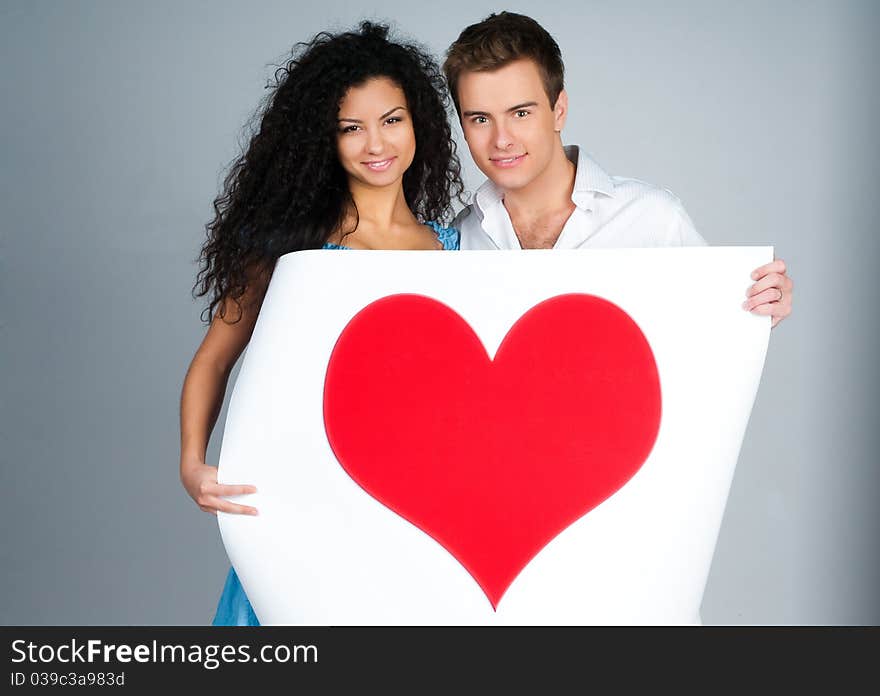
200	481
202	397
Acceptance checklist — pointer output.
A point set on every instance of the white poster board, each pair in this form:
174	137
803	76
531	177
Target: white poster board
405	541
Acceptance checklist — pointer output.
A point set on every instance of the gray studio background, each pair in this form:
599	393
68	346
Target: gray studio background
118	119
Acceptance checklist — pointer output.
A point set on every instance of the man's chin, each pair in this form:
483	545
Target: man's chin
508	181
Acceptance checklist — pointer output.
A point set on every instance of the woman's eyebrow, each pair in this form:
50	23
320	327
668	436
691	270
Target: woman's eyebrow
385	115
388	113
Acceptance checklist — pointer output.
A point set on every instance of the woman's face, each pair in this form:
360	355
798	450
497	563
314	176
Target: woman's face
375	138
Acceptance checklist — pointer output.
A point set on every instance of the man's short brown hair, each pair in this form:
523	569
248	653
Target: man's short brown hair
501	39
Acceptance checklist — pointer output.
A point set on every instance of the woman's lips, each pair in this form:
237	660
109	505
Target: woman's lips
379	165
507	162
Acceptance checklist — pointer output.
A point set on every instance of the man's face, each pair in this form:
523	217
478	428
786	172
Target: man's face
510	126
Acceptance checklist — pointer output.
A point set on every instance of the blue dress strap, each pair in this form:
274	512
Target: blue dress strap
449	236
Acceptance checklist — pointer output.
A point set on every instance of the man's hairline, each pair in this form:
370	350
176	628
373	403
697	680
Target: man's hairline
457	100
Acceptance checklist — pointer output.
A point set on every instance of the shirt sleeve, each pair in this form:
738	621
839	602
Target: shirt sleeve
682	231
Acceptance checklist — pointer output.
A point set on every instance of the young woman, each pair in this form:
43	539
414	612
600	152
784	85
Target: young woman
353	150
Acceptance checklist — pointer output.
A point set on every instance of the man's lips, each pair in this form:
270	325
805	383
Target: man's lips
379	165
507	162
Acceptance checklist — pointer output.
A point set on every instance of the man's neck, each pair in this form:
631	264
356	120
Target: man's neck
540	210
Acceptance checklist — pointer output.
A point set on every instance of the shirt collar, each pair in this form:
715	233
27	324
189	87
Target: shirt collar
488	196
589	179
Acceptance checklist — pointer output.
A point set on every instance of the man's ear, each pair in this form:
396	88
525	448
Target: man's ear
560	111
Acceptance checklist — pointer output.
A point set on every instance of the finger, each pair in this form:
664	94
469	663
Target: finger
771	280
207	509
232	489
777	266
223	505
766	298
770	309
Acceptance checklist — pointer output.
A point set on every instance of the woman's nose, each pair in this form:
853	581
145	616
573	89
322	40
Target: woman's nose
375	141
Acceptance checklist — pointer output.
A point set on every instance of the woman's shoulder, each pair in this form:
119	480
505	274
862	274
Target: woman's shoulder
448	236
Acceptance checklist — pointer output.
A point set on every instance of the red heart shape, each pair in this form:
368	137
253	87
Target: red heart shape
492	458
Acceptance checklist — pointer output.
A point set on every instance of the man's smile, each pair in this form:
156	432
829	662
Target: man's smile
507	162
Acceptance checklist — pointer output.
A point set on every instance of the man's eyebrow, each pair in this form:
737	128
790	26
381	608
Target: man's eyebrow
385	115
524	105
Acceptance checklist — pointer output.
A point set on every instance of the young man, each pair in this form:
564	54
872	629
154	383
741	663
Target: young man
506	78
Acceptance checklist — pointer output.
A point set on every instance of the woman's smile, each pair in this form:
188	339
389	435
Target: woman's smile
379	165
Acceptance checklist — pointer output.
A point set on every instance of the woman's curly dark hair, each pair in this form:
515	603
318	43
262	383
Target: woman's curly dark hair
288	191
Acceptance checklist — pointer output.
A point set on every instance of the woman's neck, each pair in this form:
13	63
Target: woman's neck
379	209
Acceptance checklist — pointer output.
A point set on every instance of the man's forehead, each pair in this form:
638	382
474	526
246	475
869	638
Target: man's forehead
515	83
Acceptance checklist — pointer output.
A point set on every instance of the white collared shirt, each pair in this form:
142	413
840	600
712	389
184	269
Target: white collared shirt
610	212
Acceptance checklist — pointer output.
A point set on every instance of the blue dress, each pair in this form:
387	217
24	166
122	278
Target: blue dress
234	608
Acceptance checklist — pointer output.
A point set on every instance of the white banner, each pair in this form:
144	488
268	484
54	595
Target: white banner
524	437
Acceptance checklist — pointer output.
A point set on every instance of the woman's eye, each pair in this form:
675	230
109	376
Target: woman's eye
348	129
479	119
394	119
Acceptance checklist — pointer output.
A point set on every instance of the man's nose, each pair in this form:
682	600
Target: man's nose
503	139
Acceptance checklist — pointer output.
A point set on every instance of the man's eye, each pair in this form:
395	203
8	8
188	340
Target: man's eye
479	119
522	113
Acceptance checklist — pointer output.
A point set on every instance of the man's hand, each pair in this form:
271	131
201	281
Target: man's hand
771	293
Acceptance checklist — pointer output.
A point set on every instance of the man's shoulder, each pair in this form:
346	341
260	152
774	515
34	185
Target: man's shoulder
627	189
672	224
662	218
